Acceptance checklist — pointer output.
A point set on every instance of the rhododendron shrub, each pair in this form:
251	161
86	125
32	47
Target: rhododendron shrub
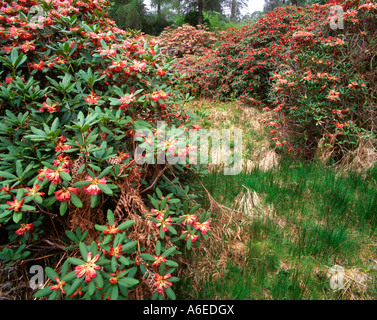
326	90
179	41
239	64
74	92
319	82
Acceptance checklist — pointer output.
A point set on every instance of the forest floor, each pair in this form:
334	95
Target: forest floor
283	229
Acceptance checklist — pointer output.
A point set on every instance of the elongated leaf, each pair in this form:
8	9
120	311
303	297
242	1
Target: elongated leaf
76	200
169	251
114	293
75	285
75	261
128	282
105	189
105	172
83	250
51	273
126	224
147	256
170	293
7	175
43	292
80	184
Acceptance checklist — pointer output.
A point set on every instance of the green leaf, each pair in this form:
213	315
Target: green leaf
83	250
63	208
43	292
172	263
70	276
94	200
110	217
71	235
65	176
52	188
114	293
100	228
172	230
80	184
188	243
124	260
194	208
128	282
75	285
158	248
105	189
105	172
147	256
170	293
126	225
98	280
76	200
114	264
17	216
19	168
76	261
91	288
7	175
51	273
169	251
129	245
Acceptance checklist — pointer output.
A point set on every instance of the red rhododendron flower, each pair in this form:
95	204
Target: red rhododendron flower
193	237
92	98
161	282
116	251
59	285
38	66
161	72
111	229
89	268
53	175
6	189
34	191
93	188
203	227
164	223
62	159
24	228
64	194
158	260
189	218
15	204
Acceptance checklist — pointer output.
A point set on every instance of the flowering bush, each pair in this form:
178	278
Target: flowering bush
319	83
238	66
74	92
326	87
179	41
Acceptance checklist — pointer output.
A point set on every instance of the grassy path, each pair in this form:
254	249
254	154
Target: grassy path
292	222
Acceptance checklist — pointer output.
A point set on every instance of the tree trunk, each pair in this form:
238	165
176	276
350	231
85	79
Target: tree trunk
200	12
233	11
159	10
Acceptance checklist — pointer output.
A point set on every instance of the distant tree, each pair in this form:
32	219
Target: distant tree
271	5
235	7
256	15
128	13
203	5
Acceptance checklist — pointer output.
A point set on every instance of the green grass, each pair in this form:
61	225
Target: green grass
321	217
330	218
